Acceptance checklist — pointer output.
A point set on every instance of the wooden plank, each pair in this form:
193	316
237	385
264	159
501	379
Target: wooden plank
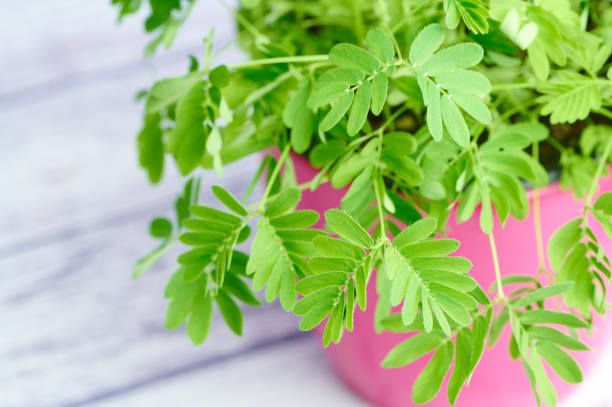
75	326
61	42
293	373
69	162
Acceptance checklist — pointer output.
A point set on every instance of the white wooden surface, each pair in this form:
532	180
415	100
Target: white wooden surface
74	208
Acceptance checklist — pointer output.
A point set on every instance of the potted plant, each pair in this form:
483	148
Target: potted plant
415	129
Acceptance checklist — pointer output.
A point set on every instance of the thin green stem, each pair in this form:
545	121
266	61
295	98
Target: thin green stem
604	112
529	85
553	142
602	163
377	186
275	173
500	288
279	60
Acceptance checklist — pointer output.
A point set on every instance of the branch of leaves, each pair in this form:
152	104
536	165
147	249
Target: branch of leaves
467	351
359	82
570	96
446	84
534	341
576	256
281	246
498	166
423	275
195	105
163	229
338	277
212	269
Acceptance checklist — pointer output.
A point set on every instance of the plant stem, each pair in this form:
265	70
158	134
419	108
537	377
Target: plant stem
378	182
600	168
279	60
537	223
527	85
500	288
604	112
275	173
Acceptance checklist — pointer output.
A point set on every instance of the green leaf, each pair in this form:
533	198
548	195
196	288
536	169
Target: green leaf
293	109
562	363
200	320
235	286
427	41
453	58
316	315
284	202
467	205
229	201
380	86
214	143
430	248
352	56
337	112
219	76
301	132
299	219
428	383
188	138
480	332
212	214
413	348
464	81
542	382
473	106
160	228
326	153
474	14
562	241
461	370
360	108
326	95
426	309
454	309
569	98
350	304
604	203
554	336
328	246
454	122
339	75
307	302
169	91
452	264
540	316
542	293
411	301
151	148
318	281
148	260
416	232
230	311
348	228
380	44
434	111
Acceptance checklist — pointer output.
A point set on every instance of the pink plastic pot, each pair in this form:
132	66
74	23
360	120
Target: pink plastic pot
498	380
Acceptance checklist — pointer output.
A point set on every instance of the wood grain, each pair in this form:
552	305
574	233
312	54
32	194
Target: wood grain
74	210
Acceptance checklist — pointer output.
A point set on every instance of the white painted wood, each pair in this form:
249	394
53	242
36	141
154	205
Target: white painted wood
67	148
292	374
61	42
74	326
73	214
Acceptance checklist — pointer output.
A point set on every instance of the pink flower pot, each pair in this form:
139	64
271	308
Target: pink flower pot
498	380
